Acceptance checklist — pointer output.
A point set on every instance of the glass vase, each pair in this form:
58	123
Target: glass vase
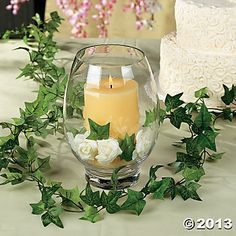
111	112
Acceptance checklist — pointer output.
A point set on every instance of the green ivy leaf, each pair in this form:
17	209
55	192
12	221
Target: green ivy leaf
70	197
202	93
127	146
91	214
173	102
110	201
163	187
193	173
206	140
135	202
115	176
179	116
98	132
91	198
229	95
52	216
3	163
189	191
38	208
215	157
228	114
204	119
43	163
151	117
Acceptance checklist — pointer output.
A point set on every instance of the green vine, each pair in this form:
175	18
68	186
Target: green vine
20	162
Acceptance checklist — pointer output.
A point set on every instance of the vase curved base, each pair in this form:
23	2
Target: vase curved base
104	182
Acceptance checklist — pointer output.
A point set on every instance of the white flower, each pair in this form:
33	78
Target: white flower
87	149
144	140
108	150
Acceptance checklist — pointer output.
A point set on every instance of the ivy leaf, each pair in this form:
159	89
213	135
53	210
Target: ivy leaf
189	191
229	95
173	102
135	202
52	216
151	117
203	119
43	163
163	187
70	197
127	146
228	114
91	214
12	177
162	114
206	140
179	116
110	201
98	132
193	173
3	163
114	177
153	170
38	208
91	198
215	157
202	93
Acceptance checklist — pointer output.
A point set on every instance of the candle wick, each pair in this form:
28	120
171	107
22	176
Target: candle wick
111	86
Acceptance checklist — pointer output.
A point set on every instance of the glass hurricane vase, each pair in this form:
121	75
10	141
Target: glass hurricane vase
111	112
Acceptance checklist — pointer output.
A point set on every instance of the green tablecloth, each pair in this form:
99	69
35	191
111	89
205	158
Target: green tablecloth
163	218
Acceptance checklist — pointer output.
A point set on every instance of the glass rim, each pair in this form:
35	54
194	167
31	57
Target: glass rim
143	55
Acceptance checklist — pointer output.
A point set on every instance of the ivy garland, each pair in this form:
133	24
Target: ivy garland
44	116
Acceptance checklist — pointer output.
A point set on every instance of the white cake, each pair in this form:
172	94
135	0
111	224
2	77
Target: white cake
203	51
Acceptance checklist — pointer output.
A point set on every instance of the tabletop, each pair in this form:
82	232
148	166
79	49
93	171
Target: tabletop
164	218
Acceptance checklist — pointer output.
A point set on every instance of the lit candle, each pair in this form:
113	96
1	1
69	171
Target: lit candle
115	101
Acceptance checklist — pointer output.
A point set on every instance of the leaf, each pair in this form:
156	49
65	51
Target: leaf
162	115
173	102
215	157
153	170
38	208
228	114
163	186
3	163
202	93
127	146
179	116
229	95
189	191
135	202
203	119
91	198
206	140
70	197
110	201
98	132
115	176
193	173
151	117
52	216
43	163
12	177
91	214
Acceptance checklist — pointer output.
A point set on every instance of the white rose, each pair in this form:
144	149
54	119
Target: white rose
144	141
87	149
108	150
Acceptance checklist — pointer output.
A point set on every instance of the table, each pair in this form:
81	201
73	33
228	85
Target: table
162	218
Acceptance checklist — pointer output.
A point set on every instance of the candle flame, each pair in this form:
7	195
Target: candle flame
110	81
